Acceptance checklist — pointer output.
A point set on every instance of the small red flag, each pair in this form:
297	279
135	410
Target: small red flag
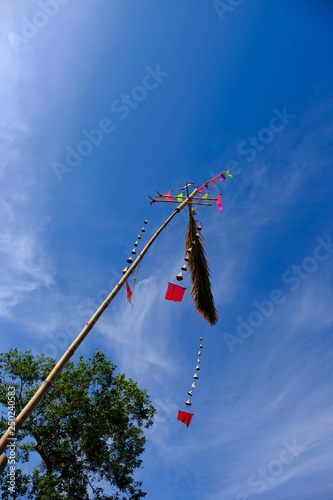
129	293
185	417
175	292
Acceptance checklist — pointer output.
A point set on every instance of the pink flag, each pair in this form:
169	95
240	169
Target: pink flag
219	203
219	178
201	189
167	196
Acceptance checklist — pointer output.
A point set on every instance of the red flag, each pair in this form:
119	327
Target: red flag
129	293
223	176
219	203
213	182
175	292
206	186
185	417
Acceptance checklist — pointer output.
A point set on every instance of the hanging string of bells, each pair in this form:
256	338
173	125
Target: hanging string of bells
188	252
183	416
197	264
195	376
130	261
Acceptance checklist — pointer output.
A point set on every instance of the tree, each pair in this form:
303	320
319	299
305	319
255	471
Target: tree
88	429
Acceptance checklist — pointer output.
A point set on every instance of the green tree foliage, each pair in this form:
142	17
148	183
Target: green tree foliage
87	431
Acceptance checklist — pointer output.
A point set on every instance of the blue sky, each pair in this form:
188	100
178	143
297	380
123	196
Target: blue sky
262	425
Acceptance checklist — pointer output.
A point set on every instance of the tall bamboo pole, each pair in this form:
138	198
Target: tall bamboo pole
7	437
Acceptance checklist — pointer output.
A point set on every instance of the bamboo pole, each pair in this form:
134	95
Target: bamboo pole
45	386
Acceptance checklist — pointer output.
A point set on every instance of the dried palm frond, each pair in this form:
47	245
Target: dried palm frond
200	274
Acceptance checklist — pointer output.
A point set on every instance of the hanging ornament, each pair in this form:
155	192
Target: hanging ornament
129	293
179	276
133	252
124	271
130	260
184	268
200	275
175	292
185	417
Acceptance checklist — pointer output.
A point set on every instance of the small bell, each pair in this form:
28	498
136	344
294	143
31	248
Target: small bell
189	250
194	242
193	385
195	376
200	227
201	346
133	252
197	235
179	276
145	221
130	260
198	368
124	271
188	402
199	353
190	393
186	258
139	236
143	230
199	360
136	243
184	268
201	338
